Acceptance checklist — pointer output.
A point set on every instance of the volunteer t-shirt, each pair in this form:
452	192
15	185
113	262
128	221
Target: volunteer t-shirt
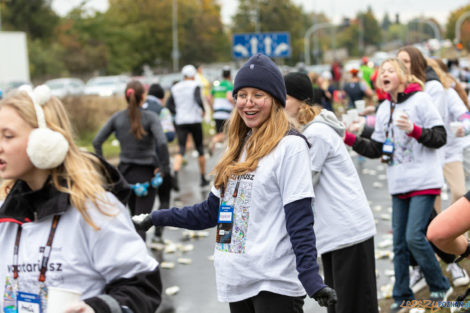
415	167
341	212
260	256
455	106
82	259
222	107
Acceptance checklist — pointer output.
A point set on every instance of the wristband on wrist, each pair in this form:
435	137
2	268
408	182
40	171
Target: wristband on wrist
465	254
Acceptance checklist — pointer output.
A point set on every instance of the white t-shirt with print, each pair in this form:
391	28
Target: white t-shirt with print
82	259
341	212
455	106
415	167
260	256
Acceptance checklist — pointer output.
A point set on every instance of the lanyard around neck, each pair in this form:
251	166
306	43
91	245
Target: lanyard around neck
392	108
45	255
235	192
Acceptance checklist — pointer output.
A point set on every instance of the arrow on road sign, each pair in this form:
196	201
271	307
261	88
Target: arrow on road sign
281	48
267	45
254	45
241	49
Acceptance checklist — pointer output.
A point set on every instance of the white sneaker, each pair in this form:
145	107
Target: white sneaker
417	281
459	275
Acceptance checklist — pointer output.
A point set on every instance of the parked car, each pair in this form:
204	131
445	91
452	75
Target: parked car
106	86
146	81
63	87
12	85
167	80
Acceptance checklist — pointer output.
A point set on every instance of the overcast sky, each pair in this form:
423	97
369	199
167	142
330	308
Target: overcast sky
336	9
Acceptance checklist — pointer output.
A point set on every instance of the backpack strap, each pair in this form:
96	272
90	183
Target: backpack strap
295	132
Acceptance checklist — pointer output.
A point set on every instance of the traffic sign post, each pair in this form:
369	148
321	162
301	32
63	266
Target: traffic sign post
275	45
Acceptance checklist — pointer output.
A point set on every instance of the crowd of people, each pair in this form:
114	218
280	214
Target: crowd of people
65	218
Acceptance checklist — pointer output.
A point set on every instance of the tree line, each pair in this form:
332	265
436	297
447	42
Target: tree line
132	34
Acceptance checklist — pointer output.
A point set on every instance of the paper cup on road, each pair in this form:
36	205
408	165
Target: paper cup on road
454	126
59	298
360	105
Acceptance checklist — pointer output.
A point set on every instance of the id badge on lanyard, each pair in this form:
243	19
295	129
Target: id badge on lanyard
28	303
17	301
226	218
388	146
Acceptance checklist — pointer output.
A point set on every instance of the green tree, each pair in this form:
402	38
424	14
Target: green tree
81	38
386	22
464	28
372	30
147	29
35	17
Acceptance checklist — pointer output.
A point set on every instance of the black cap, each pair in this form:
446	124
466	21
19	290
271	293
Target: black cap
299	86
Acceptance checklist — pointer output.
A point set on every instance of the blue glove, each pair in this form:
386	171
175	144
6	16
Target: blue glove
157	180
140	190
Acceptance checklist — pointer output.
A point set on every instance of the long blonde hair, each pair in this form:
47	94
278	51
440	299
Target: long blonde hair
79	174
403	74
445	80
258	145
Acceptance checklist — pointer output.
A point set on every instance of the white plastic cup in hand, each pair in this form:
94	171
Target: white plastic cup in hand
353	115
345	118
59	298
360	105
454	127
399	114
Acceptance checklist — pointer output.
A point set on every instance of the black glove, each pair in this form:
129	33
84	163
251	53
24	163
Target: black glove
326	296
144	224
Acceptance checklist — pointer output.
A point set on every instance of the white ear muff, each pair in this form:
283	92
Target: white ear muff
46	148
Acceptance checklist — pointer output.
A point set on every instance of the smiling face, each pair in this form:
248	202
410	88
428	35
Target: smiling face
14	133
405	58
390	80
254	106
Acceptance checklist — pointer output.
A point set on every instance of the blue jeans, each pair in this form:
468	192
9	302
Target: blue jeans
409	219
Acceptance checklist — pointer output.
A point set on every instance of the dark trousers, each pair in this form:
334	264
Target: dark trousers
351	272
133	174
268	302
164	196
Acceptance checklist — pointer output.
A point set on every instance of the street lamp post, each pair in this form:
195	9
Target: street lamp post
175	52
435	28
309	33
458	25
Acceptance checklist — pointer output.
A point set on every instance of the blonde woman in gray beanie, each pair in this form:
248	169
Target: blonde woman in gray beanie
344	224
265	253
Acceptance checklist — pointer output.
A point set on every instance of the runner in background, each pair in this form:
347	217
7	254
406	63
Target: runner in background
221	101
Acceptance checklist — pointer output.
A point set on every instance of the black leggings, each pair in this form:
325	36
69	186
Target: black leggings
133	174
195	130
268	302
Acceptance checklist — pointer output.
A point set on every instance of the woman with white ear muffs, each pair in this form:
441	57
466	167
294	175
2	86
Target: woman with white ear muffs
138	132
63	222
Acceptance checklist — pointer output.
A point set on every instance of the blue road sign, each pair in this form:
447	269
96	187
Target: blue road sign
275	45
